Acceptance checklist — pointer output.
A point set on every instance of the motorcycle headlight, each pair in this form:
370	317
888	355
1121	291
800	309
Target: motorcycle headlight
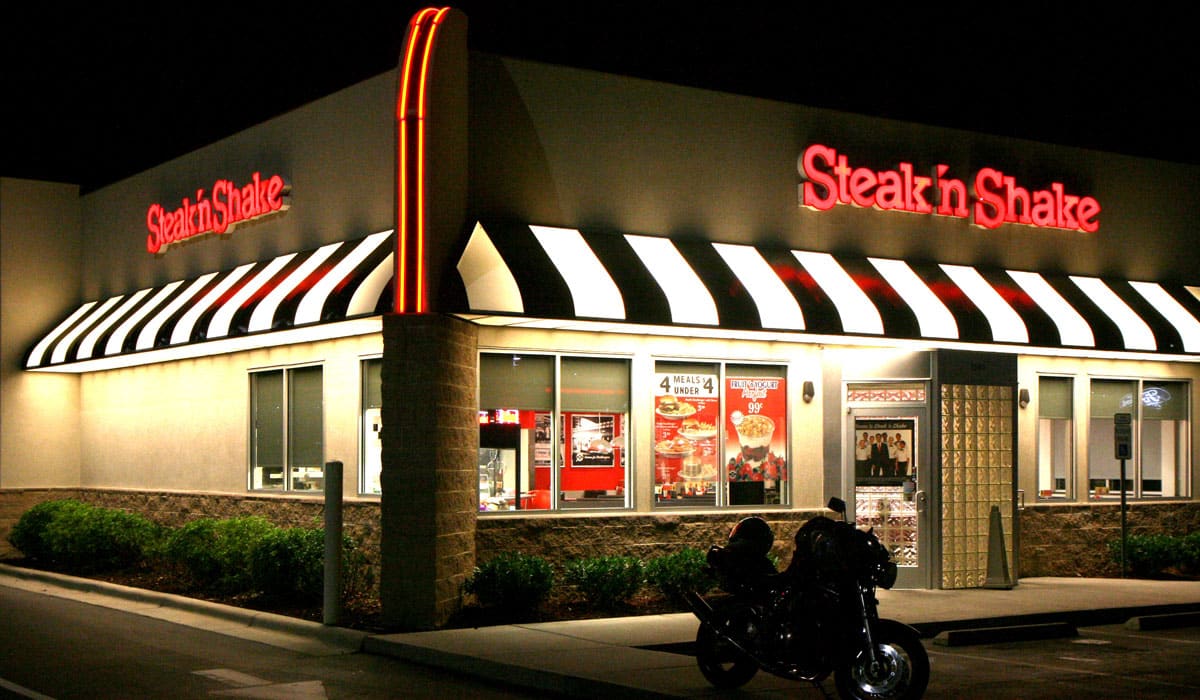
885	574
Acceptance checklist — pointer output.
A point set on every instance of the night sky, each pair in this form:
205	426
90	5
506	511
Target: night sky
95	94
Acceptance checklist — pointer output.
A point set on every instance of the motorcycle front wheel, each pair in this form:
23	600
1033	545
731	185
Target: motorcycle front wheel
722	663
900	671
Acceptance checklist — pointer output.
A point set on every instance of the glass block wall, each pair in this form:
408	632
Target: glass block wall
977	473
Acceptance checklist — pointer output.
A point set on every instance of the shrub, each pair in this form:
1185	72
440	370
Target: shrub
512	580
675	574
83	538
218	553
290	562
606	581
1146	555
1188	557
28	535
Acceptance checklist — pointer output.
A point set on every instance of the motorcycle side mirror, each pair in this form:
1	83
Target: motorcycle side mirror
837	505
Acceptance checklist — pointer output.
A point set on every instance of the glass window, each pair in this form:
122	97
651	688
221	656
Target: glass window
720	434
287	455
1055	438
531	403
1166	443
371	428
593	425
1161	464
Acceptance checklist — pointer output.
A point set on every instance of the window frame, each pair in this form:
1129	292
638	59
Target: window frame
1135	467
363	408
1070	491
556	431
286	374
722	500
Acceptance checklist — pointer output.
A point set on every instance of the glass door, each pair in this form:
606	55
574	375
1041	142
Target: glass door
890	476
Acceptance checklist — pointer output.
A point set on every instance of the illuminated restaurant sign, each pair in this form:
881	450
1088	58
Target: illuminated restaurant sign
992	198
227	206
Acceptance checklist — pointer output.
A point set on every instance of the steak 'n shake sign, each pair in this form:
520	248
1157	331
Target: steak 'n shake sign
217	212
990	199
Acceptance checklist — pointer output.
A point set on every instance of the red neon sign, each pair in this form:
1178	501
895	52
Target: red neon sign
998	199
227	206
411	115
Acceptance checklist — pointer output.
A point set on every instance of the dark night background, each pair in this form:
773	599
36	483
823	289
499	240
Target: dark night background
99	91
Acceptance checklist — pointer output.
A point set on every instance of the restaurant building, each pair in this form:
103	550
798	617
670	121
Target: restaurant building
542	308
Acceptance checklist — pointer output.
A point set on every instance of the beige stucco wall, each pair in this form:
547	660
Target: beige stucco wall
39	285
184	425
802	360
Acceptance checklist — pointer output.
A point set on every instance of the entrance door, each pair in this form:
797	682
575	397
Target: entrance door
889	472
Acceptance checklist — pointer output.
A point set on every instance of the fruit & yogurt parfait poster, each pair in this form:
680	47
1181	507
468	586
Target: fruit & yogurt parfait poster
756	430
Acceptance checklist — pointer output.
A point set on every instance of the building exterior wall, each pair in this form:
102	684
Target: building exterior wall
39	414
185	425
567	147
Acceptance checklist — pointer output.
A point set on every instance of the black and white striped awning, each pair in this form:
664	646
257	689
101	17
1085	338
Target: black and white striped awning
334	283
512	272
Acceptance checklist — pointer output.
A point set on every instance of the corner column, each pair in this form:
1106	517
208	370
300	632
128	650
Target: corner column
430	483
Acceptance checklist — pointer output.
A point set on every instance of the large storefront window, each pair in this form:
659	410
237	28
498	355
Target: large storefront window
529	404
371	426
1161	465
1055	438
720	434
287	433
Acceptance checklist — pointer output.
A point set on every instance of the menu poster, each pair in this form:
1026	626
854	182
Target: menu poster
686	415
756	422
883	451
592	439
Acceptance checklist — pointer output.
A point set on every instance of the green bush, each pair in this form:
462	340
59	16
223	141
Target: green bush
675	574
290	562
512	580
82	538
218	553
1147	555
1188	559
606	581
28	535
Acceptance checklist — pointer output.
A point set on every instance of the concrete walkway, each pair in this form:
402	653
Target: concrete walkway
631	657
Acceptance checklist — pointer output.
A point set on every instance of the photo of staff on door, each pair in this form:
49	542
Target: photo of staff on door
884	451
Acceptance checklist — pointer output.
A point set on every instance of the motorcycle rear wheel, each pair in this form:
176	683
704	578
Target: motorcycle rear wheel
722	664
902	671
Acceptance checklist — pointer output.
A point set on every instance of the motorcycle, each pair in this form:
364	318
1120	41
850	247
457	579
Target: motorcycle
819	616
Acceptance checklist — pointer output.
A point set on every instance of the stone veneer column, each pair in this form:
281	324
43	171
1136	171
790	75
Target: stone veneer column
430	481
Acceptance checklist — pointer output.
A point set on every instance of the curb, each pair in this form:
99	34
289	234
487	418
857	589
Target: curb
1012	633
1163	622
348	639
513	674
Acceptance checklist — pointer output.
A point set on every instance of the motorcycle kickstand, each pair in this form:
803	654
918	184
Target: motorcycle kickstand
820	685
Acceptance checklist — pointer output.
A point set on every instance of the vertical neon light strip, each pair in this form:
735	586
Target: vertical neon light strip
410	191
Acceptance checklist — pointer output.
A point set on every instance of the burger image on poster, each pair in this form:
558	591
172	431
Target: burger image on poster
754	435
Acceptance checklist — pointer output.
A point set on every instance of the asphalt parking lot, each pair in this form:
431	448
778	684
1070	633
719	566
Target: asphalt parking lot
1111	661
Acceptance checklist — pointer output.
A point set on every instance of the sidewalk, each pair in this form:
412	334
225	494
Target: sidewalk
632	657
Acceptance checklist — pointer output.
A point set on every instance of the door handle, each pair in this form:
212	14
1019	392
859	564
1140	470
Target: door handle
921	501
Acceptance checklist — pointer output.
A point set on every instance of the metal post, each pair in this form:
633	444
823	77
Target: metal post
1124	523
332	609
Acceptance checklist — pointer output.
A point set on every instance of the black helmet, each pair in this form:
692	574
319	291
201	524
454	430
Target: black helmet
753	534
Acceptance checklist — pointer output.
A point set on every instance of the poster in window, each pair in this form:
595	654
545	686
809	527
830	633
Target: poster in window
756	429
541	440
686	410
592	437
884	450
